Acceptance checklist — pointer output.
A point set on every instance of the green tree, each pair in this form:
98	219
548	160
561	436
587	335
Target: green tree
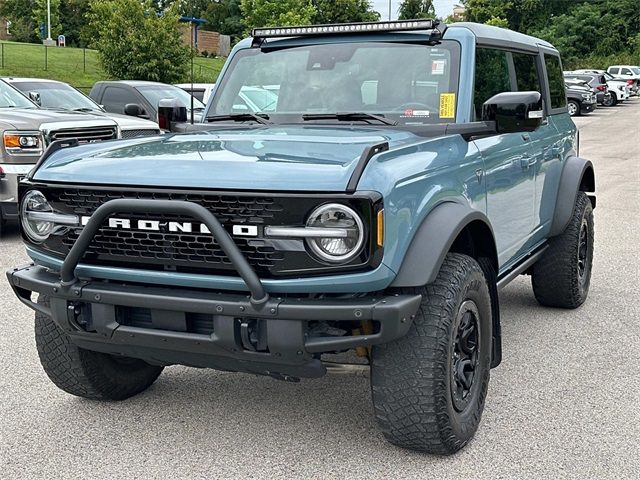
19	13
344	11
410	9
224	16
39	15
134	42
72	19
271	13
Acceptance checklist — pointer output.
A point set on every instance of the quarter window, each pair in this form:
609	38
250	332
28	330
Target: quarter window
492	76
555	81
526	72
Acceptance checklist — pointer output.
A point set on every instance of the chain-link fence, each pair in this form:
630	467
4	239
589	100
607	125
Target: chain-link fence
27	56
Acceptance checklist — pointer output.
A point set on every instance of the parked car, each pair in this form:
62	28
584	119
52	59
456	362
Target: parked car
580	99
202	91
329	224
598	85
54	95
619	89
630	73
26	130
250	99
140	99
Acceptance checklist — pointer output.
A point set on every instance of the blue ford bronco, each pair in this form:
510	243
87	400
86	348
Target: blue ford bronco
392	178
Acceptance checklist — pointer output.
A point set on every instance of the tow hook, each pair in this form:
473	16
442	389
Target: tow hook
253	334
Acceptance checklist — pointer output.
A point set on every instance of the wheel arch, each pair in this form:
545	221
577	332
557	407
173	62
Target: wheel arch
457	228
578	175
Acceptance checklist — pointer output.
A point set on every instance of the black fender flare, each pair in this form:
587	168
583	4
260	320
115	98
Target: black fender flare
431	243
577	174
433	240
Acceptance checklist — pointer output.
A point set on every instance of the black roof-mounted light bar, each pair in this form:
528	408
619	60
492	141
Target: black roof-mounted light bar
364	27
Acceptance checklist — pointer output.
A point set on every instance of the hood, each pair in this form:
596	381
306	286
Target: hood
127	122
265	158
34	118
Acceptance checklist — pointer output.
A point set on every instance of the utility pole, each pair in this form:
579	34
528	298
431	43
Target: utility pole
389	10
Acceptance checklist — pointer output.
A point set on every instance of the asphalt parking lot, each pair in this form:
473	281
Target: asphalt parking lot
565	403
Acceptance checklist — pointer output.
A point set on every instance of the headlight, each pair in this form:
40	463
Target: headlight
23	143
344	233
586	96
38	218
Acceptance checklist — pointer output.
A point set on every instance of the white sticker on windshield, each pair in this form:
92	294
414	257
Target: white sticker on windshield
437	67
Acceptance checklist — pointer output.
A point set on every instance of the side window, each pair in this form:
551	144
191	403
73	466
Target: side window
626	71
526	72
115	98
614	71
492	76
556	81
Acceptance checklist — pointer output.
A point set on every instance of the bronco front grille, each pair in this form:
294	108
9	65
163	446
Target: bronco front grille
197	252
84	135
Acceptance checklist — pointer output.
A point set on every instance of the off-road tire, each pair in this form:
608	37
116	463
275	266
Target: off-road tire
85	373
556	278
575	109
412	378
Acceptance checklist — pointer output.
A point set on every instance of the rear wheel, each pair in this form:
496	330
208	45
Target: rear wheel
573	107
429	387
610	100
561	278
85	373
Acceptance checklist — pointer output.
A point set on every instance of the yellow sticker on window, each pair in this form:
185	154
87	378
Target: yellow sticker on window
447	105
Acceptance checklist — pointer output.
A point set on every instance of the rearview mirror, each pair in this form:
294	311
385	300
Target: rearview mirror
171	110
35	98
134	110
514	111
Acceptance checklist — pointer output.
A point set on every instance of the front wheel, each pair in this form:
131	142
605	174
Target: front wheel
429	387
85	373
573	107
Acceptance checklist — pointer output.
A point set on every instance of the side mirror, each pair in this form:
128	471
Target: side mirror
35	98
134	110
514	111
171	110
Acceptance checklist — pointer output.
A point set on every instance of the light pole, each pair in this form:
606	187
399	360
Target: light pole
389	10
49	20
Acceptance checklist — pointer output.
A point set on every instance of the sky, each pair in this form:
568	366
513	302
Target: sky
443	8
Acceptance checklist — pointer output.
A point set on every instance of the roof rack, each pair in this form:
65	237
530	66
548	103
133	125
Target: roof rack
342	28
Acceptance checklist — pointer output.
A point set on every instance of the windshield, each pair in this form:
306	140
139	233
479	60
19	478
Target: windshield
407	83
635	70
11	98
58	95
155	93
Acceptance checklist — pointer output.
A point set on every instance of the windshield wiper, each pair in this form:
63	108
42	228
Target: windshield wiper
83	109
348	116
240	117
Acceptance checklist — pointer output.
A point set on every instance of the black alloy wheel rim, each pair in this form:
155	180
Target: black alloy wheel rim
583	251
465	354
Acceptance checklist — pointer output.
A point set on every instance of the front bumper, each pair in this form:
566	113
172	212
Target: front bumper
587	107
91	313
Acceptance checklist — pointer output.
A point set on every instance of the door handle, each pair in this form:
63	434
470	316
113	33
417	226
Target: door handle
527	161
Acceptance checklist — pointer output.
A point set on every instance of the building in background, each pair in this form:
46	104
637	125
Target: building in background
5	29
458	12
213	43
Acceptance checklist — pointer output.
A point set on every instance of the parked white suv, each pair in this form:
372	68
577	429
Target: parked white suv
619	89
631	73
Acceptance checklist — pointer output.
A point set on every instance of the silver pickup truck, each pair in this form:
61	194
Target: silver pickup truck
26	130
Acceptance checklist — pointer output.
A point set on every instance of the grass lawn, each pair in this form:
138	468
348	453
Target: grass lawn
75	66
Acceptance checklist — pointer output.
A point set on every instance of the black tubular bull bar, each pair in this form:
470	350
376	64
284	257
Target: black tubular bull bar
67	273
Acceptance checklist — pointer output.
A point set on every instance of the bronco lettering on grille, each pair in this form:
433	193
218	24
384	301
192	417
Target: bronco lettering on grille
175	227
